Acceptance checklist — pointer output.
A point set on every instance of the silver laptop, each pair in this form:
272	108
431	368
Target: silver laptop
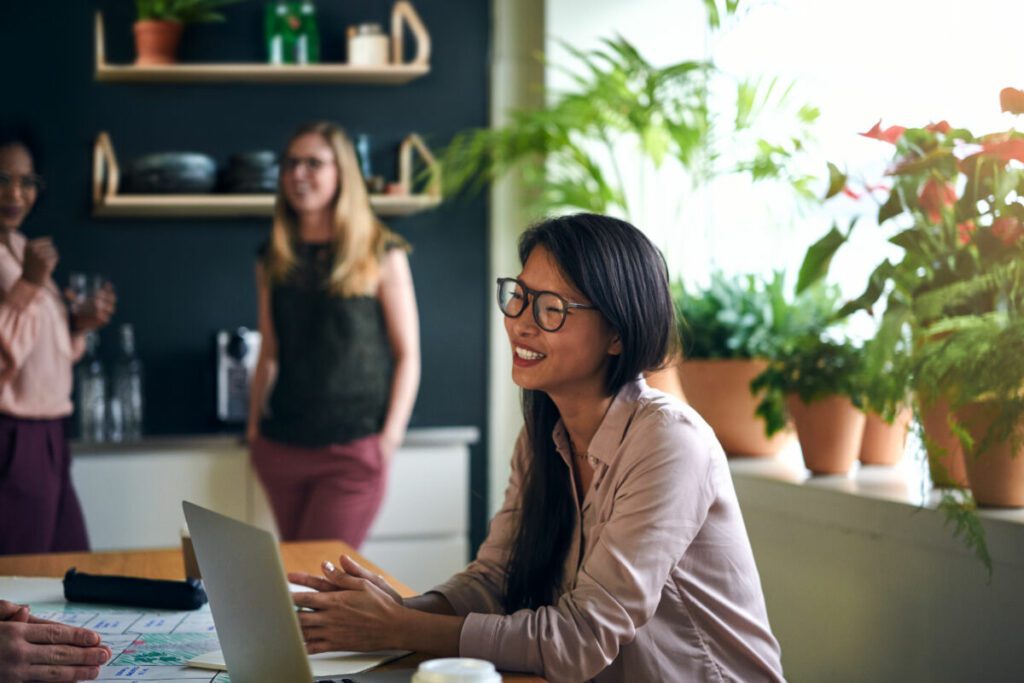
253	611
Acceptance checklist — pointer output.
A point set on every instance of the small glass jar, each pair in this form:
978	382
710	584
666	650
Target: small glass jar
367	45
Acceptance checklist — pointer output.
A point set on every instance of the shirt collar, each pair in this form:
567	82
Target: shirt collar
613	427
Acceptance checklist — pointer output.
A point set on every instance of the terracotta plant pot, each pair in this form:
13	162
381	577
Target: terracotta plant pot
156	42
996	476
720	391
945	454
884	443
830	431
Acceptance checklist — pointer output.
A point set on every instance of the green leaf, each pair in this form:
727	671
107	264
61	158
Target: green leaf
819	257
876	286
836	181
962	514
893	207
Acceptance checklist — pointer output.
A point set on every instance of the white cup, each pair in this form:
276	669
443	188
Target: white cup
456	670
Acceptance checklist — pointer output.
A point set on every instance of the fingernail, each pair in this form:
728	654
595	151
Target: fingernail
329	566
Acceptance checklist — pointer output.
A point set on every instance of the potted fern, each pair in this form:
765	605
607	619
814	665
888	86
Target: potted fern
818	380
730	331
978	359
159	25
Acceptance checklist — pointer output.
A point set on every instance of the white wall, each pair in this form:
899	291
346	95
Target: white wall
908	62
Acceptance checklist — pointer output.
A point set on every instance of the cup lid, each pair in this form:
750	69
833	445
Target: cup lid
456	670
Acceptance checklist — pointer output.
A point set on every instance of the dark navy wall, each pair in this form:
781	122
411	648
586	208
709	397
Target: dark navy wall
181	280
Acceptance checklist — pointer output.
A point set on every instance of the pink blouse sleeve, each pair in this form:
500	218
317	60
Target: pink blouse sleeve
660	507
481	586
77	347
19	325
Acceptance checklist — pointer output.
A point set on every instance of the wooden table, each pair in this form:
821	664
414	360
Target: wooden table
167	564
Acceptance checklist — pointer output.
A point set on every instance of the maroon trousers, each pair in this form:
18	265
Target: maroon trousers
39	511
333	492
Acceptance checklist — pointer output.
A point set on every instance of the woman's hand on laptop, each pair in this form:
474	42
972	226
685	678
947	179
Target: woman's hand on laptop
356	614
34	649
334	578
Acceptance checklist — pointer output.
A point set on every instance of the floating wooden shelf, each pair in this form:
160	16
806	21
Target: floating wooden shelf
396	73
107	203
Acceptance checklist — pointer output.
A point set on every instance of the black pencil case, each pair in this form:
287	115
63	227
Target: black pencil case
133	592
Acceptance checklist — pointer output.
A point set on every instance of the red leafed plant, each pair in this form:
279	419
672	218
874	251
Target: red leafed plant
958	202
956	297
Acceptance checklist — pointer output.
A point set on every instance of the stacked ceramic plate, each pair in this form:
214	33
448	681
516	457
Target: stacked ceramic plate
251	172
170	173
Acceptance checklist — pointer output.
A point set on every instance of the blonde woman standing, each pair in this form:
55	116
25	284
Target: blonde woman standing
340	345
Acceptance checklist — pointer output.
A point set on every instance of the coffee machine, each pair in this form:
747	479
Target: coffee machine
236	353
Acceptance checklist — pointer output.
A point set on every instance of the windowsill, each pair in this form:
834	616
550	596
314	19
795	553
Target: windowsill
873	499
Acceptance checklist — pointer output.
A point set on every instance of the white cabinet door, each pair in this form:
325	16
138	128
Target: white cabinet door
426	494
133	500
420	564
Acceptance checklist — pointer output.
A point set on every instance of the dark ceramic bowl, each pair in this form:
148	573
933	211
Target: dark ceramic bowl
171	173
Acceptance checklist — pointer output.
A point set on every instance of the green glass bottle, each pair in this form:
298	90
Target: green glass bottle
309	38
273	13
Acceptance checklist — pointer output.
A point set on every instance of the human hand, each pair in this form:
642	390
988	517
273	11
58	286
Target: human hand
388	444
38	650
12	611
97	310
334	578
40	259
356	615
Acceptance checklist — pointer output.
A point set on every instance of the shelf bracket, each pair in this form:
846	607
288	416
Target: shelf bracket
105	174
101	43
414	142
403	13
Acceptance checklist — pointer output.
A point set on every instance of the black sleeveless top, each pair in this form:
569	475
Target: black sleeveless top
334	361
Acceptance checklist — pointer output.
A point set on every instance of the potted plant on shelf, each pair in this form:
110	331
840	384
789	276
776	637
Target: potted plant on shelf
956	199
730	331
159	25
818	381
978	358
885	387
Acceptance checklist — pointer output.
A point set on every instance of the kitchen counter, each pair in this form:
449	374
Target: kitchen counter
414	438
131	494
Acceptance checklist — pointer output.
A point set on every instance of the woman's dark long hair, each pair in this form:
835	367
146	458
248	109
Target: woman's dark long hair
623	274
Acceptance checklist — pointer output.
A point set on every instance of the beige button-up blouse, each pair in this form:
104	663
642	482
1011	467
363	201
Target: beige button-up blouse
36	348
666	588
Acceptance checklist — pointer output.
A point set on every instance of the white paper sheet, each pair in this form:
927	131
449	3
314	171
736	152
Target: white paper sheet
323	665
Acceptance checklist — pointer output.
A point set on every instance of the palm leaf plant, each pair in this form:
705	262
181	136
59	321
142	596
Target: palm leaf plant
568	151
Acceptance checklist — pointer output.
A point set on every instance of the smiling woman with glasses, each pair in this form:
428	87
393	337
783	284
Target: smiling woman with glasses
620	552
26	183
40	340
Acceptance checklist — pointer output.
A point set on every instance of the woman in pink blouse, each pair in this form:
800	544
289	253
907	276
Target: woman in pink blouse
39	511
620	552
